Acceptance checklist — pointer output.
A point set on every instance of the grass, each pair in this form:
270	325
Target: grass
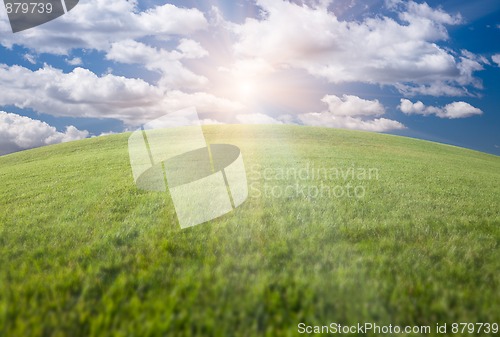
84	253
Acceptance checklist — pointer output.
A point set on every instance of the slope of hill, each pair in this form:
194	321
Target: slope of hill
339	226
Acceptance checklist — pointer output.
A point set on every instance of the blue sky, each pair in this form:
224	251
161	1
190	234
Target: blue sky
421	69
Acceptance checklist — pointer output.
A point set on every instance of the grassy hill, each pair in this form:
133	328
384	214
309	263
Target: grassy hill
83	252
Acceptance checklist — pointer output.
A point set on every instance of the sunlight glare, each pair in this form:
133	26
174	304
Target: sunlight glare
246	89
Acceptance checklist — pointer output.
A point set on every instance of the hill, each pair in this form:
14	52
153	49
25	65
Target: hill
339	226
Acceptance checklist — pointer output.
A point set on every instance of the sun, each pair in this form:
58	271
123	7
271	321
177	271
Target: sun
246	89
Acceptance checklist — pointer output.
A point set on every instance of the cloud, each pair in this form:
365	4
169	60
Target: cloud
174	74
346	122
437	88
377	50
417	108
30	58
351	112
205	103
20	133
248	68
459	110
75	61
256	118
103	134
420	11
352	106
112	27
191	49
96	24
496	58
451	111
81	93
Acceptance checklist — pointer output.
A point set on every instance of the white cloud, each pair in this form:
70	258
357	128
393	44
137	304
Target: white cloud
205	103
169	19
437	88
191	49
392	4
352	106
130	51
81	93
479	58
103	134
460	110
256	118
418	108
30	58
351	112
96	24
75	61
113	26
496	58
347	122
174	74
451	111
20	133
419	11
377	50
248	68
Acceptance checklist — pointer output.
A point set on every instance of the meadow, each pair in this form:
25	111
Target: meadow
412	240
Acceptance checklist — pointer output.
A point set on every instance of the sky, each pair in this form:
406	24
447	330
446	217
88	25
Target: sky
428	70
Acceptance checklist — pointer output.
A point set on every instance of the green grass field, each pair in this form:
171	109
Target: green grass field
83	252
